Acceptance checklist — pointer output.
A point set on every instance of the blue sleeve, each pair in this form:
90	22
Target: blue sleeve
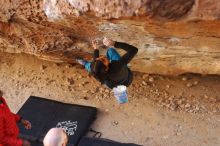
112	54
88	66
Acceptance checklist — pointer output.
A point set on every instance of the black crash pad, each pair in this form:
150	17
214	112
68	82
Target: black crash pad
35	143
87	141
45	114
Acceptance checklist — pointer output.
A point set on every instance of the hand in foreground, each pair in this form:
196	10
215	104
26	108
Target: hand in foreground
26	123
26	143
108	42
95	44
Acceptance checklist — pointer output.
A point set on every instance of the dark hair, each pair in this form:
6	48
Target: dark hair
98	70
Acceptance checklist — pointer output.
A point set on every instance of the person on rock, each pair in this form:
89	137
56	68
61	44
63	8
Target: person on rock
8	126
112	69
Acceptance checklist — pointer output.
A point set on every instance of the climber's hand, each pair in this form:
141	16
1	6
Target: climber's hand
95	45
108	42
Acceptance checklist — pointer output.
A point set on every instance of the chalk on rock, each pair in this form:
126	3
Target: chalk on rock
184	78
151	79
189	85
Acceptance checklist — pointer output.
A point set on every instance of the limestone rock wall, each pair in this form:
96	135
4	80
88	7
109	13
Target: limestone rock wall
173	36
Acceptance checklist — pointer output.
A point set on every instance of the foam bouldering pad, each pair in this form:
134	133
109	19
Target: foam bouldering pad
87	141
36	143
45	114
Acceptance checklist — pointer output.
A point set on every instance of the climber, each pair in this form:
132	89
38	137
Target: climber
8	128
112	69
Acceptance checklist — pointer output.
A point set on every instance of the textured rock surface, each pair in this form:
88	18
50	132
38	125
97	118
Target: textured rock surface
169	34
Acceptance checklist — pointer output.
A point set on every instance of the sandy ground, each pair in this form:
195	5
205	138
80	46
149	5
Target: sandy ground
162	110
